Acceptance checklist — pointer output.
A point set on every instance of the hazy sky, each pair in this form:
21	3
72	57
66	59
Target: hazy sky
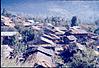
82	9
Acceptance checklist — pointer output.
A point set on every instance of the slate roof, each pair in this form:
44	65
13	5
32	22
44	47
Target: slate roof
81	47
44	60
35	27
58	30
71	37
44	50
8	33
6	28
78	30
47	40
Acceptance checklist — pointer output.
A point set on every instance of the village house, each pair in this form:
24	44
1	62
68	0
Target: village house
7	35
6	51
48	41
72	38
27	24
43	56
7	21
77	30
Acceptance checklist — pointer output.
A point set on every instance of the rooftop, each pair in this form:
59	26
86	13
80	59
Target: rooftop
47	40
8	33
71	37
47	51
78	30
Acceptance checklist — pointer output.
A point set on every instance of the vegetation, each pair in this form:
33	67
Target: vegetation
96	31
74	21
28	35
83	59
72	57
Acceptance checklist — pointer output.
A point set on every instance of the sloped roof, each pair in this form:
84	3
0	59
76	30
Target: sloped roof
36	28
97	46
44	60
44	56
78	30
7	21
54	35
8	33
27	24
6	28
60	31
47	51
50	29
6	50
71	37
81	47
96	52
32	21
48	36
44	45
49	24
47	40
61	28
58	48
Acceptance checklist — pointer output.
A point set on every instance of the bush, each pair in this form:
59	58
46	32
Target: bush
84	60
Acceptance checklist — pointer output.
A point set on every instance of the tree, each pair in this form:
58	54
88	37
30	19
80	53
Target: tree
96	31
9	40
84	59
21	45
73	21
97	22
4	11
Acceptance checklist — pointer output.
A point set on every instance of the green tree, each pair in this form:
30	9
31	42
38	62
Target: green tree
84	59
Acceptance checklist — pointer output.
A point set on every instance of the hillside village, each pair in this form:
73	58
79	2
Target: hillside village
49	42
